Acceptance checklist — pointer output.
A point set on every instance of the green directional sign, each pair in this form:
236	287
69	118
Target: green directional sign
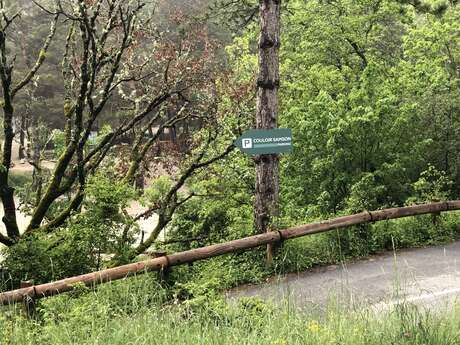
265	141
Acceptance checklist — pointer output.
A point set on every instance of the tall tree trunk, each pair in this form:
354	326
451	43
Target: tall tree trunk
6	191
267	175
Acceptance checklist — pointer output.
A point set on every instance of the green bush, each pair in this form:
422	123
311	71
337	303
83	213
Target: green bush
415	231
329	248
79	246
42	258
20	179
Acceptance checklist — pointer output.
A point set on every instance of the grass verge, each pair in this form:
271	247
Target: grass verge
135	312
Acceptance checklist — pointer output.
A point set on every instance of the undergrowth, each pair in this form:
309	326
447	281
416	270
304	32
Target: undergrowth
134	312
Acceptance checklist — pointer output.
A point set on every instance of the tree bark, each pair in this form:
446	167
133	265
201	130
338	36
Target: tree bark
267	176
35	159
9	92
6	191
22	137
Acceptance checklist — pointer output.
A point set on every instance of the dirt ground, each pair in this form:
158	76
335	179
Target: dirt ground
23	166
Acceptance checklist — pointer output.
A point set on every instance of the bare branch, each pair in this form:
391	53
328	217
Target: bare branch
43	8
170	203
64	215
40	59
6	240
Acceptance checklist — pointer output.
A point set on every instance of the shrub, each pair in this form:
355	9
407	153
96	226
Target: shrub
80	245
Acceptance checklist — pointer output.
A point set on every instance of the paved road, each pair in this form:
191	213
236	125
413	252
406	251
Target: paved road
427	276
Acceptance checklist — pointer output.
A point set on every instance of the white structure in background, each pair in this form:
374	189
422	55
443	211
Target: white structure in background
146	225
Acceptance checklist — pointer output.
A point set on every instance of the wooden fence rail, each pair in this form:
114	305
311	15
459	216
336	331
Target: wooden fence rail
160	263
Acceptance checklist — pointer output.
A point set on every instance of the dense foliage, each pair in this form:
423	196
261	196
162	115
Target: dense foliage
370	88
371	91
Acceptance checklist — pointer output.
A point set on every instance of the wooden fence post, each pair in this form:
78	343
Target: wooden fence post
163	272
28	301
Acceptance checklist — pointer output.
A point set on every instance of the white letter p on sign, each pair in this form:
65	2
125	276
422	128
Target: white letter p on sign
247	143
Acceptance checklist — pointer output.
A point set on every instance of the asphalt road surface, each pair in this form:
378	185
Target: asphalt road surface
425	276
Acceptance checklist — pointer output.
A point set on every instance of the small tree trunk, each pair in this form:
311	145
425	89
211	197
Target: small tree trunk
22	137
173	134
139	181
37	178
267	178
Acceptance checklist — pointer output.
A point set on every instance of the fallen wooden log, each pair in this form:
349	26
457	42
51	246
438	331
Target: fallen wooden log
163	262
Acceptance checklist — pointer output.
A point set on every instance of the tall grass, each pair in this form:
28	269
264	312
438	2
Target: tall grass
140	310
135	312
